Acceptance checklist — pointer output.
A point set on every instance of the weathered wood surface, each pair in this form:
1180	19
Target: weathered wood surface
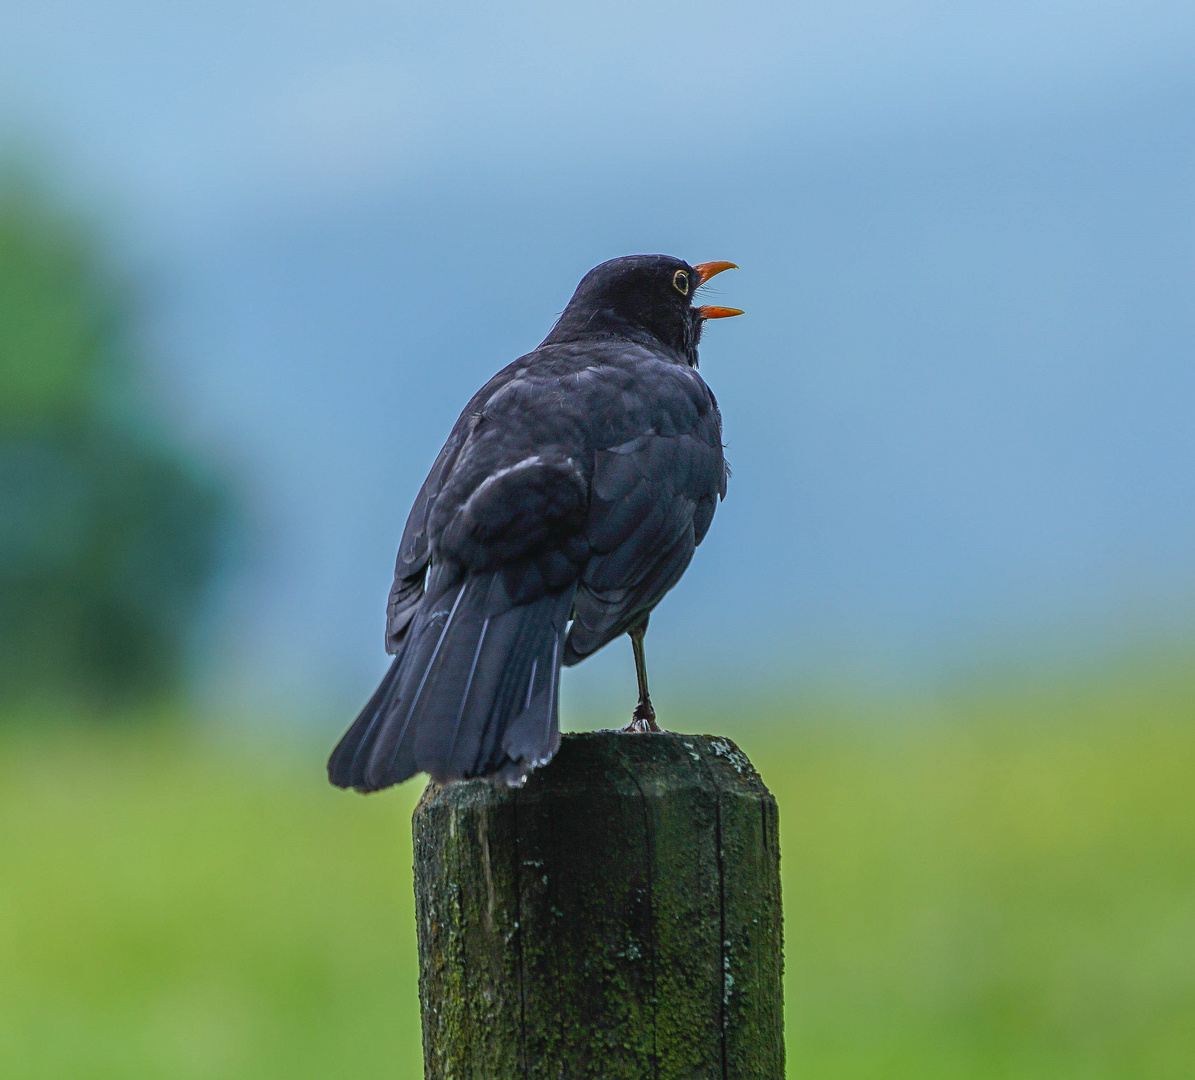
617	917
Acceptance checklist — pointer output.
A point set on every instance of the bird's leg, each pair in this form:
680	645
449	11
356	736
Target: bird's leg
643	719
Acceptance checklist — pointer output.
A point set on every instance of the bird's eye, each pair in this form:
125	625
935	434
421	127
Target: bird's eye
680	282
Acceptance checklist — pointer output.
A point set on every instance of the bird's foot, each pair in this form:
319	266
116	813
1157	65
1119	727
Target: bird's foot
643	720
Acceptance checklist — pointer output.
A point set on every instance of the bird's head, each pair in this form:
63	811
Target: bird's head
642	294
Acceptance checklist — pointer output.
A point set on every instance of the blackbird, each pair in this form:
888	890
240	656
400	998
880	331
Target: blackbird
567	501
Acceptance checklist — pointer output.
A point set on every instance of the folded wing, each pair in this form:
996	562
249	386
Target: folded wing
651	502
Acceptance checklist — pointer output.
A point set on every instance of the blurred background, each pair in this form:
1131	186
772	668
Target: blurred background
254	259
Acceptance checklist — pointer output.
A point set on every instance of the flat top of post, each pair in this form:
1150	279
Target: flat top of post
654	762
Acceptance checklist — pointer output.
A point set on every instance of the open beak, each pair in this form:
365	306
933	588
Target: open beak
705	271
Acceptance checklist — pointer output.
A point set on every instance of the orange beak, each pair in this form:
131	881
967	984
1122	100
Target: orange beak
705	271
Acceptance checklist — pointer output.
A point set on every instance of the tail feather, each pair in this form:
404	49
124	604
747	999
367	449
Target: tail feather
346	766
391	751
514	687
474	691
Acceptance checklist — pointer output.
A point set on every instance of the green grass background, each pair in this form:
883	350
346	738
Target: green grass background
997	885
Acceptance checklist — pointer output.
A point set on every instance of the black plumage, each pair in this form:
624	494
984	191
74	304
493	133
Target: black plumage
567	501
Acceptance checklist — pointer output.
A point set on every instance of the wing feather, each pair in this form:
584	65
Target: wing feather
643	514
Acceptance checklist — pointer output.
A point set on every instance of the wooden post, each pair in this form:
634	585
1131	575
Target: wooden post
616	917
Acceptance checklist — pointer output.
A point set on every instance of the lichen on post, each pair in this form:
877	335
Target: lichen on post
616	917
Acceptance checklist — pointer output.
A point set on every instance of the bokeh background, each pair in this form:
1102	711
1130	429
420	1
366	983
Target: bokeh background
253	260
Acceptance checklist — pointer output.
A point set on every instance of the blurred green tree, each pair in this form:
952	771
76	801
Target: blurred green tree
108	532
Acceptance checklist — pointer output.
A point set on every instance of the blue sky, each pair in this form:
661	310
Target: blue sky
959	408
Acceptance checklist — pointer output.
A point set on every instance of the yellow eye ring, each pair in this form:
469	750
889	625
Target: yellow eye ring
680	282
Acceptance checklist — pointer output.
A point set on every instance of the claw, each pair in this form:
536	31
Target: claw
643	720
